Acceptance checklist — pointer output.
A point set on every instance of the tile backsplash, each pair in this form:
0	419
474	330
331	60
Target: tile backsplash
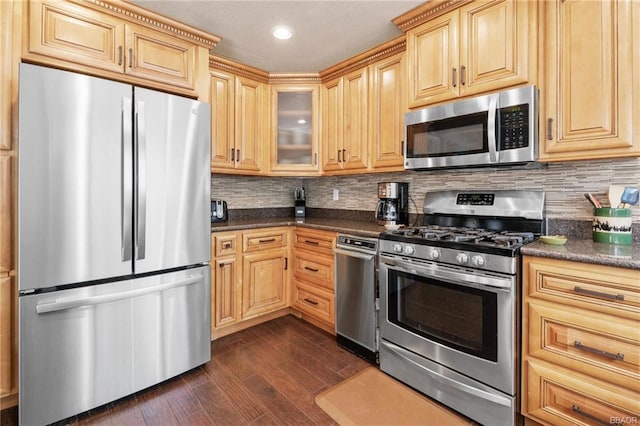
564	183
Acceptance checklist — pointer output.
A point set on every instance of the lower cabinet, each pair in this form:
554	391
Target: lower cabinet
249	277
314	276
580	343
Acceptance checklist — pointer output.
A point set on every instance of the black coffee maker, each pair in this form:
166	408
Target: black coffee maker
393	206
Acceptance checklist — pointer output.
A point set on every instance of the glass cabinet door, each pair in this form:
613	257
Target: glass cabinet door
294	144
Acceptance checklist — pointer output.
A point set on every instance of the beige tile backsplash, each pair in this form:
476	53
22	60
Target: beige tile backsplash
564	183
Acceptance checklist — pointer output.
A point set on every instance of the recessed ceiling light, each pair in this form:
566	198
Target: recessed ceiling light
302	121
282	33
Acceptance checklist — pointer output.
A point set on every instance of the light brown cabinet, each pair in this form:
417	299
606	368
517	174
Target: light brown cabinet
314	276
10	24
590	95
346	123
250	278
239	115
388	104
581	342
481	46
74	36
295	129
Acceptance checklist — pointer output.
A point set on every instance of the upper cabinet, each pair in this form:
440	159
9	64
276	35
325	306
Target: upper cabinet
481	46
96	38
294	132
363	106
590	97
239	118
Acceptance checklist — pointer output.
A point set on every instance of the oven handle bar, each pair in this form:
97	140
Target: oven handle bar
437	271
405	355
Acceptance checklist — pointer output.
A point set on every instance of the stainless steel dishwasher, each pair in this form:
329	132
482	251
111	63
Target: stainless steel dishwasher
356	294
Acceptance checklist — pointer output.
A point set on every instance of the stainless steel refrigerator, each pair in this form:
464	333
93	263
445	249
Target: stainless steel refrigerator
113	240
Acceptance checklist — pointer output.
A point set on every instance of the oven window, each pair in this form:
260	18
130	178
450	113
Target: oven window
461	135
459	317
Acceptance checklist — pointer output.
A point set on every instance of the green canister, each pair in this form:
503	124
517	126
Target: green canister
612	226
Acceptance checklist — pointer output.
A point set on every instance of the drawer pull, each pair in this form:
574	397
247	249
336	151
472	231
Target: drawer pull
308	268
227	245
617	357
581	290
576	409
315	243
268	240
310	301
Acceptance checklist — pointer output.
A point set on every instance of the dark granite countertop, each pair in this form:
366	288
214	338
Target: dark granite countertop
582	250
345	226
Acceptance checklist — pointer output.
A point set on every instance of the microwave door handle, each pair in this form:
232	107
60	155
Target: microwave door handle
491	129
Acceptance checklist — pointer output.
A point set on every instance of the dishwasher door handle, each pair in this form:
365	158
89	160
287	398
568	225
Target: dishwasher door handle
350	253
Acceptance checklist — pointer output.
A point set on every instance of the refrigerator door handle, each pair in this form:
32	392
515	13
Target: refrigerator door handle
63	305
141	178
126	193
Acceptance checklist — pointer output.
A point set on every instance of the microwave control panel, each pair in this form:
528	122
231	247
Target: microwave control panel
514	127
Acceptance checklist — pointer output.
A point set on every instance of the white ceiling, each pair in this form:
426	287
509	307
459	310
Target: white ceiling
325	32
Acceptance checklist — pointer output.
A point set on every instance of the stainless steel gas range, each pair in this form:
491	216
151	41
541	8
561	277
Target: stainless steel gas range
449	299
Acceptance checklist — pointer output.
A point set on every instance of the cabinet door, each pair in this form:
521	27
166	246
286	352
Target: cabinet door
433	61
591	98
264	282
222	120
354	150
153	55
332	126
249	110
6	214
72	33
494	45
294	138
227	298
8	338
388	105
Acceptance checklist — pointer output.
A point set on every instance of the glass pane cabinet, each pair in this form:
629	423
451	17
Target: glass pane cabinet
295	136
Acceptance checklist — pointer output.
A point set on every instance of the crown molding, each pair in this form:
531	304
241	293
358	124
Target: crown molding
294	78
397	45
224	64
426	12
142	16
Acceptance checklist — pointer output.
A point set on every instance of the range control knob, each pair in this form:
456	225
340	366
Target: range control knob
478	260
408	250
462	258
434	254
397	248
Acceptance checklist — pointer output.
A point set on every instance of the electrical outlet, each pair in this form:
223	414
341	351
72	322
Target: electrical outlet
336	194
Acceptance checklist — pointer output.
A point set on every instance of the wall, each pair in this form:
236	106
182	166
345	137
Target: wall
564	183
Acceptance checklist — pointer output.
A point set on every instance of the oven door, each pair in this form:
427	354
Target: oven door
457	134
464	320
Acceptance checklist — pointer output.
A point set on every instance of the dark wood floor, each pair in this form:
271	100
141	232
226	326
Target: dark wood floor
268	374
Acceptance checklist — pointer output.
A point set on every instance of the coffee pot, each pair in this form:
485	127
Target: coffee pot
393	203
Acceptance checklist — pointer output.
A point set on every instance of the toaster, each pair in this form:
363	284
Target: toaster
219	211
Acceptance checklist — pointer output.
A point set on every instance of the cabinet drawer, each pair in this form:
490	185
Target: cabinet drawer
595	287
225	244
317	241
599	345
560	397
316	269
314	301
264	240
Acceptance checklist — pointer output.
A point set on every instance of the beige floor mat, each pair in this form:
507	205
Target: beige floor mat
373	398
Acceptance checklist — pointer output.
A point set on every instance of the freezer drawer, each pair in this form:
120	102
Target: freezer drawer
85	347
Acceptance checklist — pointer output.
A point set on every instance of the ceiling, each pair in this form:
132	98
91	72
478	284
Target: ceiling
325	32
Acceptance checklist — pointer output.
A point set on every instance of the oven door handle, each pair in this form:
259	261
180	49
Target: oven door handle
478	281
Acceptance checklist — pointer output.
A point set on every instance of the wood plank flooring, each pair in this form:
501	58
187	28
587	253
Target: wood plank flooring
266	375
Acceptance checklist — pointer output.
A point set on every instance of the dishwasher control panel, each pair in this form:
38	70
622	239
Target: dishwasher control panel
349	241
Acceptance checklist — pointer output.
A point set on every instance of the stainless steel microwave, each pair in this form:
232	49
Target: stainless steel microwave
490	130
